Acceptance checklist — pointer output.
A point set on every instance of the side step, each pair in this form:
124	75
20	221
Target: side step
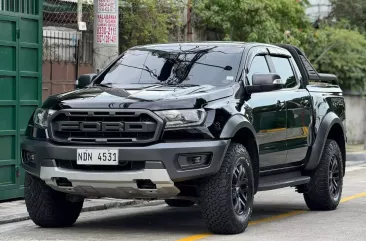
287	182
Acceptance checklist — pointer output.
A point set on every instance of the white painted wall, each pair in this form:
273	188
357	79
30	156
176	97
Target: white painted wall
355	119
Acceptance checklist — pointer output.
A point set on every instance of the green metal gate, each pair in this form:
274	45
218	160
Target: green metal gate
20	85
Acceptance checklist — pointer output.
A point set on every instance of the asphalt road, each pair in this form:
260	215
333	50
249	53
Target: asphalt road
278	215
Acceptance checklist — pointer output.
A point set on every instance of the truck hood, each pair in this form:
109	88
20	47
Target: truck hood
152	97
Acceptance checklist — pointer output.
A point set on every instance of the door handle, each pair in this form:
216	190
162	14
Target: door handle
280	105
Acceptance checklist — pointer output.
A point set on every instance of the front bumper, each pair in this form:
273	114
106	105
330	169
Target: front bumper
161	168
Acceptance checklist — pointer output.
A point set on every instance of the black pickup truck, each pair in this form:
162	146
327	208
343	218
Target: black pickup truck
208	123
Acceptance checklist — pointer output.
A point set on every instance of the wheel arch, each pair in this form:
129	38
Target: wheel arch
333	134
330	128
240	130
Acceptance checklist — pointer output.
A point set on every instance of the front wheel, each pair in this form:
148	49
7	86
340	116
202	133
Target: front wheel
226	199
324	190
48	207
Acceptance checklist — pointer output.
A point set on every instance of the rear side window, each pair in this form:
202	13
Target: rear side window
259	66
284	70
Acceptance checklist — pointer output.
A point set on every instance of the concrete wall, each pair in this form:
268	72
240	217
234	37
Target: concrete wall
355	119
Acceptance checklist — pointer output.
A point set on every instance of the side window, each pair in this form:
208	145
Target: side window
259	65
284	70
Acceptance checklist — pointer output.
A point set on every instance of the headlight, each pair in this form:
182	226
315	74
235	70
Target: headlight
182	118
41	116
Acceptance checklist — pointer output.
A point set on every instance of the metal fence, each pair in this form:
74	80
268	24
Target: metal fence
62	41
67	51
67	46
64	13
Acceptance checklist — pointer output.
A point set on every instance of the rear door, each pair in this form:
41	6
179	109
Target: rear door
298	106
269	113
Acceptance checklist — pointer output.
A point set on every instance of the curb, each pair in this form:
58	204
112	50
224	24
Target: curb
14	218
24	216
356	156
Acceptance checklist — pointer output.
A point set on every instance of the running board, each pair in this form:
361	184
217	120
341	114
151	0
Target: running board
276	184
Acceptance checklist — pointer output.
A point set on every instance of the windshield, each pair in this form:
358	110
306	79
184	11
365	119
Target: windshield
177	65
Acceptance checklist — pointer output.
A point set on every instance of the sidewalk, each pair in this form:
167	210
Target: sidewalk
355	153
16	211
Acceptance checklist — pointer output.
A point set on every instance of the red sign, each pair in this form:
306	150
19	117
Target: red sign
107	28
108	6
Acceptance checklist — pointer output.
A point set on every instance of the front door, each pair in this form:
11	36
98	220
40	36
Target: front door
298	105
269	117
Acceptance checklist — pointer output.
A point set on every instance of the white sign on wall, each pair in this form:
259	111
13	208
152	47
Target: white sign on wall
107	6
107	28
107	22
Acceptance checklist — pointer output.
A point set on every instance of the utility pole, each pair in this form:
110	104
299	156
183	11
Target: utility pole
82	27
189	21
80	11
106	37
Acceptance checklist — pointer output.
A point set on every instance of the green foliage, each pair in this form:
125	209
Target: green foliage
342	52
350	10
336	50
147	21
248	20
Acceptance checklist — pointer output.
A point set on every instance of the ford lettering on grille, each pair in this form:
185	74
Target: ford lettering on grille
105	126
91	126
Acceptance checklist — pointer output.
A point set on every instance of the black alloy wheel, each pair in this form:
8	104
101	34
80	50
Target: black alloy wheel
324	191
240	189
334	177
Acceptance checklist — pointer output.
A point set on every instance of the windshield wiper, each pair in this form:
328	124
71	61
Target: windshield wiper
167	84
178	85
184	85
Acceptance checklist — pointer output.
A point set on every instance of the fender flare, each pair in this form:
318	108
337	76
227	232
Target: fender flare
234	124
317	149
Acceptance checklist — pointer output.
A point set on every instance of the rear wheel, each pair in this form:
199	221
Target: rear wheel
47	207
179	203
325	188
226	199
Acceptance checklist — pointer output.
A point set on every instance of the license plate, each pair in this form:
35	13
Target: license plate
97	157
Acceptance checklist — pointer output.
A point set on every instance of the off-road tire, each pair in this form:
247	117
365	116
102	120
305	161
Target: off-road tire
47	207
216	197
179	203
317	193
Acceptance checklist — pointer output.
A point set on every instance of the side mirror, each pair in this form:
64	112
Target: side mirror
84	80
265	83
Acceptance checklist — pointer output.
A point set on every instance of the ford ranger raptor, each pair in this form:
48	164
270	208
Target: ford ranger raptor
207	124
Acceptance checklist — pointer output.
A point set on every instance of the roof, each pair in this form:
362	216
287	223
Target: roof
174	45
234	45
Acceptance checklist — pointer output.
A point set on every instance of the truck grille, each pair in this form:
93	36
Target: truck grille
105	127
